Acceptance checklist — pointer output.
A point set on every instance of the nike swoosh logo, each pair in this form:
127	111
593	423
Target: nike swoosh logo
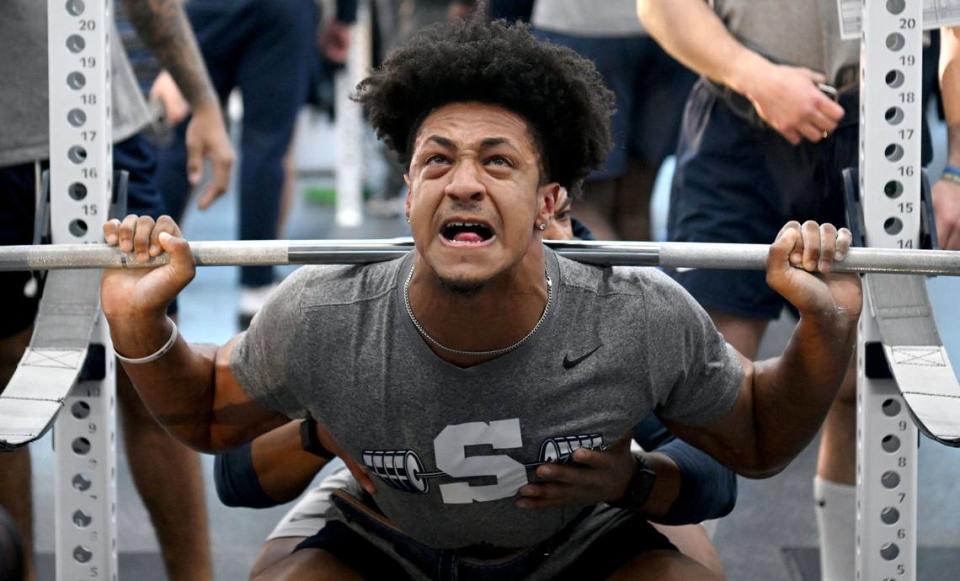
571	363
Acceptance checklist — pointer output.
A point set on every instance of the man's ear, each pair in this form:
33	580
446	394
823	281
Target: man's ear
407	203
547	196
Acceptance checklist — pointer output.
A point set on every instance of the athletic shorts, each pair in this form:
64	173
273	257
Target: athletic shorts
20	291
739	181
650	88
597	543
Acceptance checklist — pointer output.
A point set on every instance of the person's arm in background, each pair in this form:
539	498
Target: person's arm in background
946	192
275	468
164	28
786	97
334	37
272	469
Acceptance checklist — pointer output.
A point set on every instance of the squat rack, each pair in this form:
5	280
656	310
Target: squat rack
81	180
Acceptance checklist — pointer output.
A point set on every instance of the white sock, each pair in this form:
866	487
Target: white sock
835	505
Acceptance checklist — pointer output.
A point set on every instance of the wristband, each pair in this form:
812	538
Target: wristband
156	354
639	487
951	173
311	443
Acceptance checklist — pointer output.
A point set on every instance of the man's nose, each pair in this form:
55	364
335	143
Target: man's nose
465	183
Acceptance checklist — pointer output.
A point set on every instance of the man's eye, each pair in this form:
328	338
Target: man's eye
499	160
562	216
436	159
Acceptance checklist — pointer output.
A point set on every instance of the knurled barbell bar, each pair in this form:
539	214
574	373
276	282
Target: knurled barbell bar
708	255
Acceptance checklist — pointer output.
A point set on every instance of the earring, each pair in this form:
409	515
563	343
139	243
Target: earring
541	227
408	219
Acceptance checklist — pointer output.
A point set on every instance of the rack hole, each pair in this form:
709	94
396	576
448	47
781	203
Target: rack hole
82	554
893	189
76	117
81	519
890	407
75	43
890	479
894	78
893	225
893	152
80	446
895	6
78	228
889	551
75	7
77	191
894	115
896	41
80	410
889	515
76	80
77	154
81	483
890	443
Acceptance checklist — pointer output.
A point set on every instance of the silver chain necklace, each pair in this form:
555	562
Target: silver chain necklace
490	353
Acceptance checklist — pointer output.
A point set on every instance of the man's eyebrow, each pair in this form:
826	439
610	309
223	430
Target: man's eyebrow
443	141
565	205
495	141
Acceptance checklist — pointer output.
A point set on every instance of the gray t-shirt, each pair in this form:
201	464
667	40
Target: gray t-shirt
796	32
24	98
606	19
451	446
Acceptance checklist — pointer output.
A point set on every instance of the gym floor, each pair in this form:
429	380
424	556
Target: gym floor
771	535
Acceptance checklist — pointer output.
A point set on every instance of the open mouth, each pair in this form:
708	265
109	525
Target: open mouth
466	233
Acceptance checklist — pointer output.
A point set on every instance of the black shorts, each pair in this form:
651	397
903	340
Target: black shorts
17	209
613	549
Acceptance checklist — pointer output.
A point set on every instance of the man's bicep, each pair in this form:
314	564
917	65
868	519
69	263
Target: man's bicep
237	417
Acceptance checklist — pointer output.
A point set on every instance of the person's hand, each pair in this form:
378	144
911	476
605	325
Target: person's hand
334	41
788	99
165	90
358	470
946	209
207	138
799	268
136	294
593	477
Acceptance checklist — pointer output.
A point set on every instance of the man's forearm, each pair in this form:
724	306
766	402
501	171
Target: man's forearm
950	90
793	392
164	28
694	35
178	388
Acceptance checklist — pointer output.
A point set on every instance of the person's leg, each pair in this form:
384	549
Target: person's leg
169	478
20	304
309	565
167	475
664	566
272	75
12	557
693	542
834	490
272	552
219	36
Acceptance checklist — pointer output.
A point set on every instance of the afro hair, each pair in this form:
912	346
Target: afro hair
559	93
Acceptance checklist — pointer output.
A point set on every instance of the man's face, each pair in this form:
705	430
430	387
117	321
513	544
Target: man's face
475	196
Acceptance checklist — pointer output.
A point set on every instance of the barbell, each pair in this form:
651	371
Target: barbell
707	255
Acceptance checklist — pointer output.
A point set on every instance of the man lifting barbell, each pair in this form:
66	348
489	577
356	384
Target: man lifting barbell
451	350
